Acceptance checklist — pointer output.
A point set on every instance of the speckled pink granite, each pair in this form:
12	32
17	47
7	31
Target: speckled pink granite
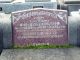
40	26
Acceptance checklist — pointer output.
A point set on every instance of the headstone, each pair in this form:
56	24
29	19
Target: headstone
71	1
74	28
78	33
1	34
7	31
40	27
5	1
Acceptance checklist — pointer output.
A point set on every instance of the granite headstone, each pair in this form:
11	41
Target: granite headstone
40	27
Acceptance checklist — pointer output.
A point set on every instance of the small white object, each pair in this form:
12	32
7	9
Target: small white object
79	11
53	1
75	13
37	0
18	1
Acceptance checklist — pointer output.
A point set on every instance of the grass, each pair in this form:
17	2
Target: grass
43	46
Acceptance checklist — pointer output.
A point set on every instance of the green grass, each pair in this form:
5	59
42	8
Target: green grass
43	46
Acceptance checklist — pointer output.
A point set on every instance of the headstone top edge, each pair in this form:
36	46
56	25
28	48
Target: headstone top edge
39	9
